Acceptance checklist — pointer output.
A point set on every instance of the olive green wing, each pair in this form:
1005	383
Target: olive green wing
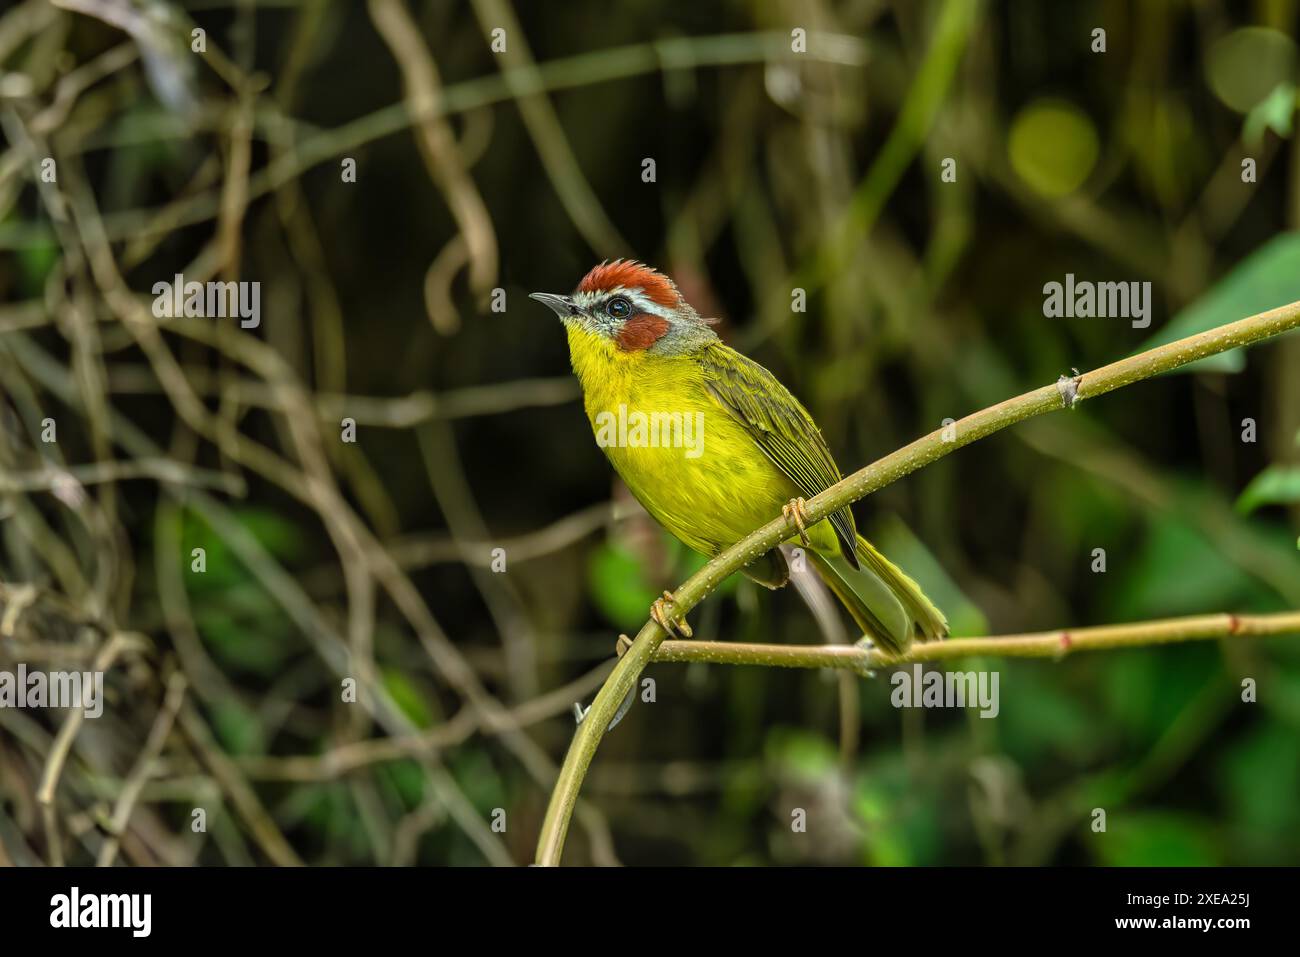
780	427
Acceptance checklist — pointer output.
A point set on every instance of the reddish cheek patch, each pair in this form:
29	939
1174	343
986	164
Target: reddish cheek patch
641	332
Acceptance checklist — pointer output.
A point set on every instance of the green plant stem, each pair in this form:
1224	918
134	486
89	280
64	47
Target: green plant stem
953	26
861	483
1042	644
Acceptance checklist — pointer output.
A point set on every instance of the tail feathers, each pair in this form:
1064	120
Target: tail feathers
929	620
886	604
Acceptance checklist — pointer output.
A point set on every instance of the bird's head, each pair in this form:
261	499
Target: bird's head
635	307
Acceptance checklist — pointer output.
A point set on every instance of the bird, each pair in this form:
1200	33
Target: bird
714	446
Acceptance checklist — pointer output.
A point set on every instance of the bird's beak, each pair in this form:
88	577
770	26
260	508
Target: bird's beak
562	305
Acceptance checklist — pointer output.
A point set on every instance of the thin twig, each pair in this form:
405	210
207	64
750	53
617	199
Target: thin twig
62	747
584	69
1042	644
423	89
94	473
235	786
135	782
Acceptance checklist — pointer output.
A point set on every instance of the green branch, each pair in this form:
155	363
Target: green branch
1042	644
1065	393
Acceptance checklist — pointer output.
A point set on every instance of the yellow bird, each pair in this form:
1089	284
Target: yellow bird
714	446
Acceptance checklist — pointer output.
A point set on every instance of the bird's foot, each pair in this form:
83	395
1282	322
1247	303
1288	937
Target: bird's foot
659	613
795	511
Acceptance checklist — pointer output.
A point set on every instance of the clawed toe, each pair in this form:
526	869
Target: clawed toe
659	613
795	511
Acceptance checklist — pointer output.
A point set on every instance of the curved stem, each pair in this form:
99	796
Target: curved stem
1066	393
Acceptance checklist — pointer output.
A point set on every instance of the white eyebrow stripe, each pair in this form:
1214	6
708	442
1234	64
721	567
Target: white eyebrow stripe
636	294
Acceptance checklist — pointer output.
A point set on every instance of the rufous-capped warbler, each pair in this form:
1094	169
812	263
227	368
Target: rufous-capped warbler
651	369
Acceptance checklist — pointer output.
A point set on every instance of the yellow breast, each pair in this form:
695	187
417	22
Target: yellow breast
686	459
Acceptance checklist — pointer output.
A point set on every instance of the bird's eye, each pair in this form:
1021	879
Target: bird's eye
618	308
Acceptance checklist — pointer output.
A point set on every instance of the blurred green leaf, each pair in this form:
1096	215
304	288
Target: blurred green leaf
1132	683
407	697
1267	278
1146	691
260	644
1261	777
329	810
274	531
623	588
406	777
1053	147
237	728
1284	703
1155	839
1038	723
35	261
1176	571
1276	485
481	781
1247	65
1275	112
277	533
618	585
892	536
903	822
886	845
801	754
